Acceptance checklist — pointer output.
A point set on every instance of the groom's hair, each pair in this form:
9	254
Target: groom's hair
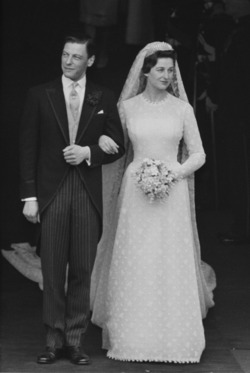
151	60
80	37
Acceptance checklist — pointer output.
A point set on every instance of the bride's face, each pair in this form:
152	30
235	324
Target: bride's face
161	75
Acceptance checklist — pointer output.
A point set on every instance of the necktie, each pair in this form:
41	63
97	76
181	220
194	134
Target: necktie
74	101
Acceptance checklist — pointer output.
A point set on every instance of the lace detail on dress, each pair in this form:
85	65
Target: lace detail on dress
154	102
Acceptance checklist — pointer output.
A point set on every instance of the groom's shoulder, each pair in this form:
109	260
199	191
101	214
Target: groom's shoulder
43	87
101	93
99	88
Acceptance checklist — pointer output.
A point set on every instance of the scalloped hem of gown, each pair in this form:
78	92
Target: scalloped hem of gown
154	359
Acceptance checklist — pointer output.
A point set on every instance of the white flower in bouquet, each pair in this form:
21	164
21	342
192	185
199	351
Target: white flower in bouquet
155	179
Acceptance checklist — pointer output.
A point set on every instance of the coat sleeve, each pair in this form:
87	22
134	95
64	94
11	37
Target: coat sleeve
28	146
113	129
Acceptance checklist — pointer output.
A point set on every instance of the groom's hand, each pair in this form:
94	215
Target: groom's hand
75	154
31	211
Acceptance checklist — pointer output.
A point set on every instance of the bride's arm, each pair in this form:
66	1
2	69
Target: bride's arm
105	142
108	145
196	155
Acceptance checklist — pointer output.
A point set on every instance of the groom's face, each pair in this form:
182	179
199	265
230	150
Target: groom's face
75	60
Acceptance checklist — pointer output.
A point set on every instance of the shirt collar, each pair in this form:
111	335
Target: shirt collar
68	82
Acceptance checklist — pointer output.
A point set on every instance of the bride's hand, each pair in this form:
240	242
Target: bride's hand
177	170
108	145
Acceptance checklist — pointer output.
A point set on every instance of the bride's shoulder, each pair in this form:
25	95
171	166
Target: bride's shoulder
132	100
179	102
130	103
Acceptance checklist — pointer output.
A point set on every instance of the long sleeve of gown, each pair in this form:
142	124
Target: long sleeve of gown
196	155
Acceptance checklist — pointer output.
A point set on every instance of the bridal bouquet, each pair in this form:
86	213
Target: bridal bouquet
155	179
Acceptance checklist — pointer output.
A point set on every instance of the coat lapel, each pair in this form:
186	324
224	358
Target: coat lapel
57	101
91	101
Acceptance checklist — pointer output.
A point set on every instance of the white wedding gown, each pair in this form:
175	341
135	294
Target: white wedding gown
150	289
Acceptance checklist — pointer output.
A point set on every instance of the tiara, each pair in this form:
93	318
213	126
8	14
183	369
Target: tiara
157	46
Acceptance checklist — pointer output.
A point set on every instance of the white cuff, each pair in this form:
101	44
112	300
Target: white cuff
88	159
29	199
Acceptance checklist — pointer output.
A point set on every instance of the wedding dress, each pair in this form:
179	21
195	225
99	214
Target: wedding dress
147	300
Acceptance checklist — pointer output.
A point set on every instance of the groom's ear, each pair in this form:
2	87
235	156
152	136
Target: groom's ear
91	60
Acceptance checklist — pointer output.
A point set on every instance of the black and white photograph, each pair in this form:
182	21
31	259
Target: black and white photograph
125	199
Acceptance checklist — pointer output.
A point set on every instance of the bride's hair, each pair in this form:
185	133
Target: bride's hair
151	60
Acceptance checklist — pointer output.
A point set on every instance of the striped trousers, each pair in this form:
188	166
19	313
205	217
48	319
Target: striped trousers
70	229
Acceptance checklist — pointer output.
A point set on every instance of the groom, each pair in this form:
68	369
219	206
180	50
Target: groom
61	186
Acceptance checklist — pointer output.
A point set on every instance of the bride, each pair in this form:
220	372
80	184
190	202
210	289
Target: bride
150	289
